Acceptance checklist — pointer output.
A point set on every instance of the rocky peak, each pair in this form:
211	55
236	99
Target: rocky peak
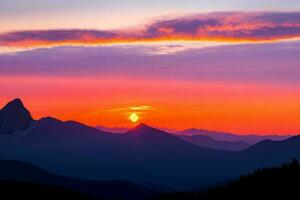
14	117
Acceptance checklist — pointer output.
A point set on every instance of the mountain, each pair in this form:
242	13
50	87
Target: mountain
14	117
165	146
145	136
205	141
270	152
16	171
267	183
229	137
143	155
116	130
121	130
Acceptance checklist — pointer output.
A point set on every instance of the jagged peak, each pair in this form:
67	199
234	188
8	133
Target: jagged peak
14	117
16	103
144	129
48	119
16	108
143	126
17	100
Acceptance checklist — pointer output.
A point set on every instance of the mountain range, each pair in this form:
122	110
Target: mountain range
210	139
143	155
208	142
230	137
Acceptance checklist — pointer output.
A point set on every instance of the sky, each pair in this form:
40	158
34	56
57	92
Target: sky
227	66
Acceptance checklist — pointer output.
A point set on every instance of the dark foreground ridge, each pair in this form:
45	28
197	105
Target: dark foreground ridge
27	190
32	181
268	183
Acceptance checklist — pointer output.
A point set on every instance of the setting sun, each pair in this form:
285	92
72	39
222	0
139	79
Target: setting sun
134	117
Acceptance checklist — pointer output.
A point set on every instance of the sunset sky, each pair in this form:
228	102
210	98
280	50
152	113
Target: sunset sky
220	65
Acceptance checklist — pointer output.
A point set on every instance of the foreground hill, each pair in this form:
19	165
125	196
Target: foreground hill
270	183
27	190
16	172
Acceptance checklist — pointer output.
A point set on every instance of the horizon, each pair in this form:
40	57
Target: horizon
230	67
121	130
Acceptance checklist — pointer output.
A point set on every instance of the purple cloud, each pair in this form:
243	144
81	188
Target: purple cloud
276	62
223	26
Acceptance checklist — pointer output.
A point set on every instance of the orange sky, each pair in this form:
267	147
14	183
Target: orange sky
235	107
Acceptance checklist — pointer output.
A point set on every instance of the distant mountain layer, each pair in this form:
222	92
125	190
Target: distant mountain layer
16	171
214	135
270	183
205	141
229	137
116	130
142	155
120	130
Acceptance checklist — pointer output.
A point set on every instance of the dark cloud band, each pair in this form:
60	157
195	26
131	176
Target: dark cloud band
220	27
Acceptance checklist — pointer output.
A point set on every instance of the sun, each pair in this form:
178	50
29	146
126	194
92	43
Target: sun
133	117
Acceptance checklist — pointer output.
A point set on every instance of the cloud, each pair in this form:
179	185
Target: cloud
123	110
272	62
140	108
55	37
229	27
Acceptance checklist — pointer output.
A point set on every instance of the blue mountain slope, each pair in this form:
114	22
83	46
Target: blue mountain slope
208	142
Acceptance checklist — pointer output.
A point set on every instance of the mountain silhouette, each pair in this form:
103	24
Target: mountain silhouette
143	155
149	135
230	137
206	141
16	171
271	153
115	130
14	117
160	145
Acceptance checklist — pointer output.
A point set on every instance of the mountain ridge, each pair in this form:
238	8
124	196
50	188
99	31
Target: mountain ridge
14	117
230	137
142	155
208	142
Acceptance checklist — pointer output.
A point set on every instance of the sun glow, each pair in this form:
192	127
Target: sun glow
134	117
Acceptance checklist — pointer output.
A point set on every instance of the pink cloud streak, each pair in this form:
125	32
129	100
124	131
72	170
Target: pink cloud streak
228	27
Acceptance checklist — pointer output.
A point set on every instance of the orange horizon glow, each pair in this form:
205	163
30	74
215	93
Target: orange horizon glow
260	109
